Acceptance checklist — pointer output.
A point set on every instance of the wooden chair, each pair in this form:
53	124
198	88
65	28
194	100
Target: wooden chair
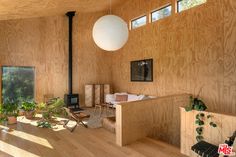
78	117
205	149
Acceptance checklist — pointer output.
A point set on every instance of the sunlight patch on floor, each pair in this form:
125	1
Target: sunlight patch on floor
29	137
15	151
33	122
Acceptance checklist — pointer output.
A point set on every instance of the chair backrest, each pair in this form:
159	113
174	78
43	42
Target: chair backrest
67	111
231	140
70	114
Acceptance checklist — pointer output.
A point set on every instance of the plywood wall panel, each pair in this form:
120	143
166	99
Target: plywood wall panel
230	55
17	9
157	118
24	43
191	50
91	64
43	43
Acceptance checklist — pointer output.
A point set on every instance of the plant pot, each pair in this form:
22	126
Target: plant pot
12	120
29	114
21	112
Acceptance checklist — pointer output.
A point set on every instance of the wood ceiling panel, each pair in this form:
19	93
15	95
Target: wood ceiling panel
15	9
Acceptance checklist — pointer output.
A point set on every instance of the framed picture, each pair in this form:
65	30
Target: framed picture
142	70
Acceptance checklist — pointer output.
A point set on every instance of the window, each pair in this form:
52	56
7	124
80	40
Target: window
17	84
161	13
138	22
186	4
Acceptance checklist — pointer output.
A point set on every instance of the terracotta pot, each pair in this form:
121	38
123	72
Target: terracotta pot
12	120
29	114
21	112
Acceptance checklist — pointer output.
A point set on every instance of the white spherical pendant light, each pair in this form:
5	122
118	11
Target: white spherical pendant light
110	32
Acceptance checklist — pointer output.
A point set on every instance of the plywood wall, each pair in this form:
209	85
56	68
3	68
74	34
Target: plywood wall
157	118
43	43
91	65
40	43
191	50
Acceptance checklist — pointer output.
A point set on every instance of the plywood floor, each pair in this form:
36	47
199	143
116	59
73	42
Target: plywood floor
30	141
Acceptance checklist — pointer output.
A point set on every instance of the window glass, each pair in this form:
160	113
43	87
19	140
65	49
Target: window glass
138	22
161	13
186	4
17	84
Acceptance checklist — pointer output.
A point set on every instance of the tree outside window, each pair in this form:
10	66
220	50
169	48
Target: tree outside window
186	4
17	84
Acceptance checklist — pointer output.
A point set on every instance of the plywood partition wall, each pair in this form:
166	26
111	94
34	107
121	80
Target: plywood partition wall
191	50
226	125
42	43
158	118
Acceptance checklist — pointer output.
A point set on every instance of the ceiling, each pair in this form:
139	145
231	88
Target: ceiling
16	9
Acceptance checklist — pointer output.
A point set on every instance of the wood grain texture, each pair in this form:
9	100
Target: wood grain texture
158	118
18	9
191	50
37	43
43	43
30	141
91	65
226	125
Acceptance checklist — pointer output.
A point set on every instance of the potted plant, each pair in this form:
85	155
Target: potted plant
196	104
10	111
41	107
54	109
2	115
29	108
21	111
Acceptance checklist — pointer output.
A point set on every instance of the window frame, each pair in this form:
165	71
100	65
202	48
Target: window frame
134	19
178	1
1	75
164	6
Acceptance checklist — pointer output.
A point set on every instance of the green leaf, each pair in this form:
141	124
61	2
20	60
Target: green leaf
213	124
209	116
199	138
197	116
199	130
188	108
199	122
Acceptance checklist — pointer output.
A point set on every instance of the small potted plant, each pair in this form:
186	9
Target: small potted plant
21	111
10	111
2	115
41	107
29	108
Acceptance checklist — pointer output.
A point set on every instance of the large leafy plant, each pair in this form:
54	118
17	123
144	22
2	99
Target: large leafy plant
10	110
28	106
2	115
53	109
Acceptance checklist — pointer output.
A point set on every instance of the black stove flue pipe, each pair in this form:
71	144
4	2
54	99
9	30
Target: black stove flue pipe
70	15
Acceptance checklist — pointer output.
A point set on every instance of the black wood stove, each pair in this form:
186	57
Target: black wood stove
71	99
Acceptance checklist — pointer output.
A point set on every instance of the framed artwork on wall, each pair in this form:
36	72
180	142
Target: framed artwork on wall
141	70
